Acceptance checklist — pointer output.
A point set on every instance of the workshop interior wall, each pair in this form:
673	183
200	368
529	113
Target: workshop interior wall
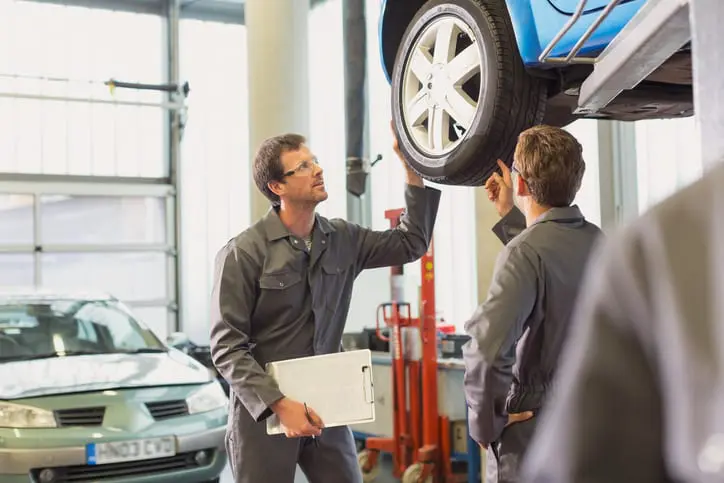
214	172
668	158
327	134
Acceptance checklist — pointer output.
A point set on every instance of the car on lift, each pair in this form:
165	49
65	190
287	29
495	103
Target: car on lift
88	392
468	76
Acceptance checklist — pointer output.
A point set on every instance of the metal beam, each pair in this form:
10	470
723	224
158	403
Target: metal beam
84	189
231	12
223	11
154	7
81	179
174	133
708	64
657	31
355	87
86	248
92	100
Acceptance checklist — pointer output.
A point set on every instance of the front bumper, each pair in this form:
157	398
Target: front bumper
19	464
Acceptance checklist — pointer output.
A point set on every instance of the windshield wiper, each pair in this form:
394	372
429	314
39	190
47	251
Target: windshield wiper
142	350
49	355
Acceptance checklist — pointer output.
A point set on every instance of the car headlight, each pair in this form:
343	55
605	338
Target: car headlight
208	398
18	416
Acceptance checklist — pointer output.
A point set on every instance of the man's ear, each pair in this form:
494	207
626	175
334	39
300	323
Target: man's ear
521	187
276	187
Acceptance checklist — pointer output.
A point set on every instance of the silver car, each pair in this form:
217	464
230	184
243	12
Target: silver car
88	393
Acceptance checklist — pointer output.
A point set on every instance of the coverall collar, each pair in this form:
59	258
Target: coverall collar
564	214
276	230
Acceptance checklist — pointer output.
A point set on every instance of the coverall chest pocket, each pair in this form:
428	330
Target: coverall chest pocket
280	293
279	280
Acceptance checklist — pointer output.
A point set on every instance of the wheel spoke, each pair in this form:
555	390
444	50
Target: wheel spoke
445	42
431	96
464	65
437	128
420	64
417	109
460	107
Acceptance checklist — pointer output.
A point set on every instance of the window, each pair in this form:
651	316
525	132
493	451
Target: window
133	276
80	49
88	242
103	220
16	269
59	116
16	219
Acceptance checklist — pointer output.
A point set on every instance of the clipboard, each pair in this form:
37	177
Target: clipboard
339	387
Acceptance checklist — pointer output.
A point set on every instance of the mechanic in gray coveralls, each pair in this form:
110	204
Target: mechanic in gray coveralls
282	290
518	332
641	390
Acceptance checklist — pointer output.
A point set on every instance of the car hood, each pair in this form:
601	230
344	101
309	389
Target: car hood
63	375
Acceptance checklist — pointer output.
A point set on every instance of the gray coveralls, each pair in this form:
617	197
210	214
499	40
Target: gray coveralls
640	394
517	333
273	300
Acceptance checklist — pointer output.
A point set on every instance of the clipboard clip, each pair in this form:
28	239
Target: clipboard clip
368	384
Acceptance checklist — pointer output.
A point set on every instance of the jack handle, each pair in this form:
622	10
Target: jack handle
381	314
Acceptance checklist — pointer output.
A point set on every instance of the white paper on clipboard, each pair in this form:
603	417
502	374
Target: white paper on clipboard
339	387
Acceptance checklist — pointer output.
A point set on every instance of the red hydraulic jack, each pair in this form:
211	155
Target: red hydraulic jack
421	442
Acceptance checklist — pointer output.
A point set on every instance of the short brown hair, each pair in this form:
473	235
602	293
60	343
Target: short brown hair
268	163
550	160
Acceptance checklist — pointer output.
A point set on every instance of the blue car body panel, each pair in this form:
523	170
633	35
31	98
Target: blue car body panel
535	22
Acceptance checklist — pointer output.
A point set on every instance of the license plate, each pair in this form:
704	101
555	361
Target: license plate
133	450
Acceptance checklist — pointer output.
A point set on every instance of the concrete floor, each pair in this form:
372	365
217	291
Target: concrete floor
384	477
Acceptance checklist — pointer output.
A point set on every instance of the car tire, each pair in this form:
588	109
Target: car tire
491	103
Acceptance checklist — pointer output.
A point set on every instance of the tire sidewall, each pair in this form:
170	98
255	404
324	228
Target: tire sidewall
472	15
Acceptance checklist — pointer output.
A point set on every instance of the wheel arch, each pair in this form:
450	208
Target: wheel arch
395	15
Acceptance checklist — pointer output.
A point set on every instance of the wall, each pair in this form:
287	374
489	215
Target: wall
668	158
214	172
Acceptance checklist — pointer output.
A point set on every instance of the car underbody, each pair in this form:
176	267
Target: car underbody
665	94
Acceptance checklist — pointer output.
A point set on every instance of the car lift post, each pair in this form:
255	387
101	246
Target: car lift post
705	17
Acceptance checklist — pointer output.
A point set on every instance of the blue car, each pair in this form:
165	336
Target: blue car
468	76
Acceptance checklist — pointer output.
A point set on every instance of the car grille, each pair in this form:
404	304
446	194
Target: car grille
80	417
167	409
180	462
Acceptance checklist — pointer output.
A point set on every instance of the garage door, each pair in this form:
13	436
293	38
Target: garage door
569	6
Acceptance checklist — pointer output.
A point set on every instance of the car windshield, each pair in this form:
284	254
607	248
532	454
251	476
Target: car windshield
62	328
